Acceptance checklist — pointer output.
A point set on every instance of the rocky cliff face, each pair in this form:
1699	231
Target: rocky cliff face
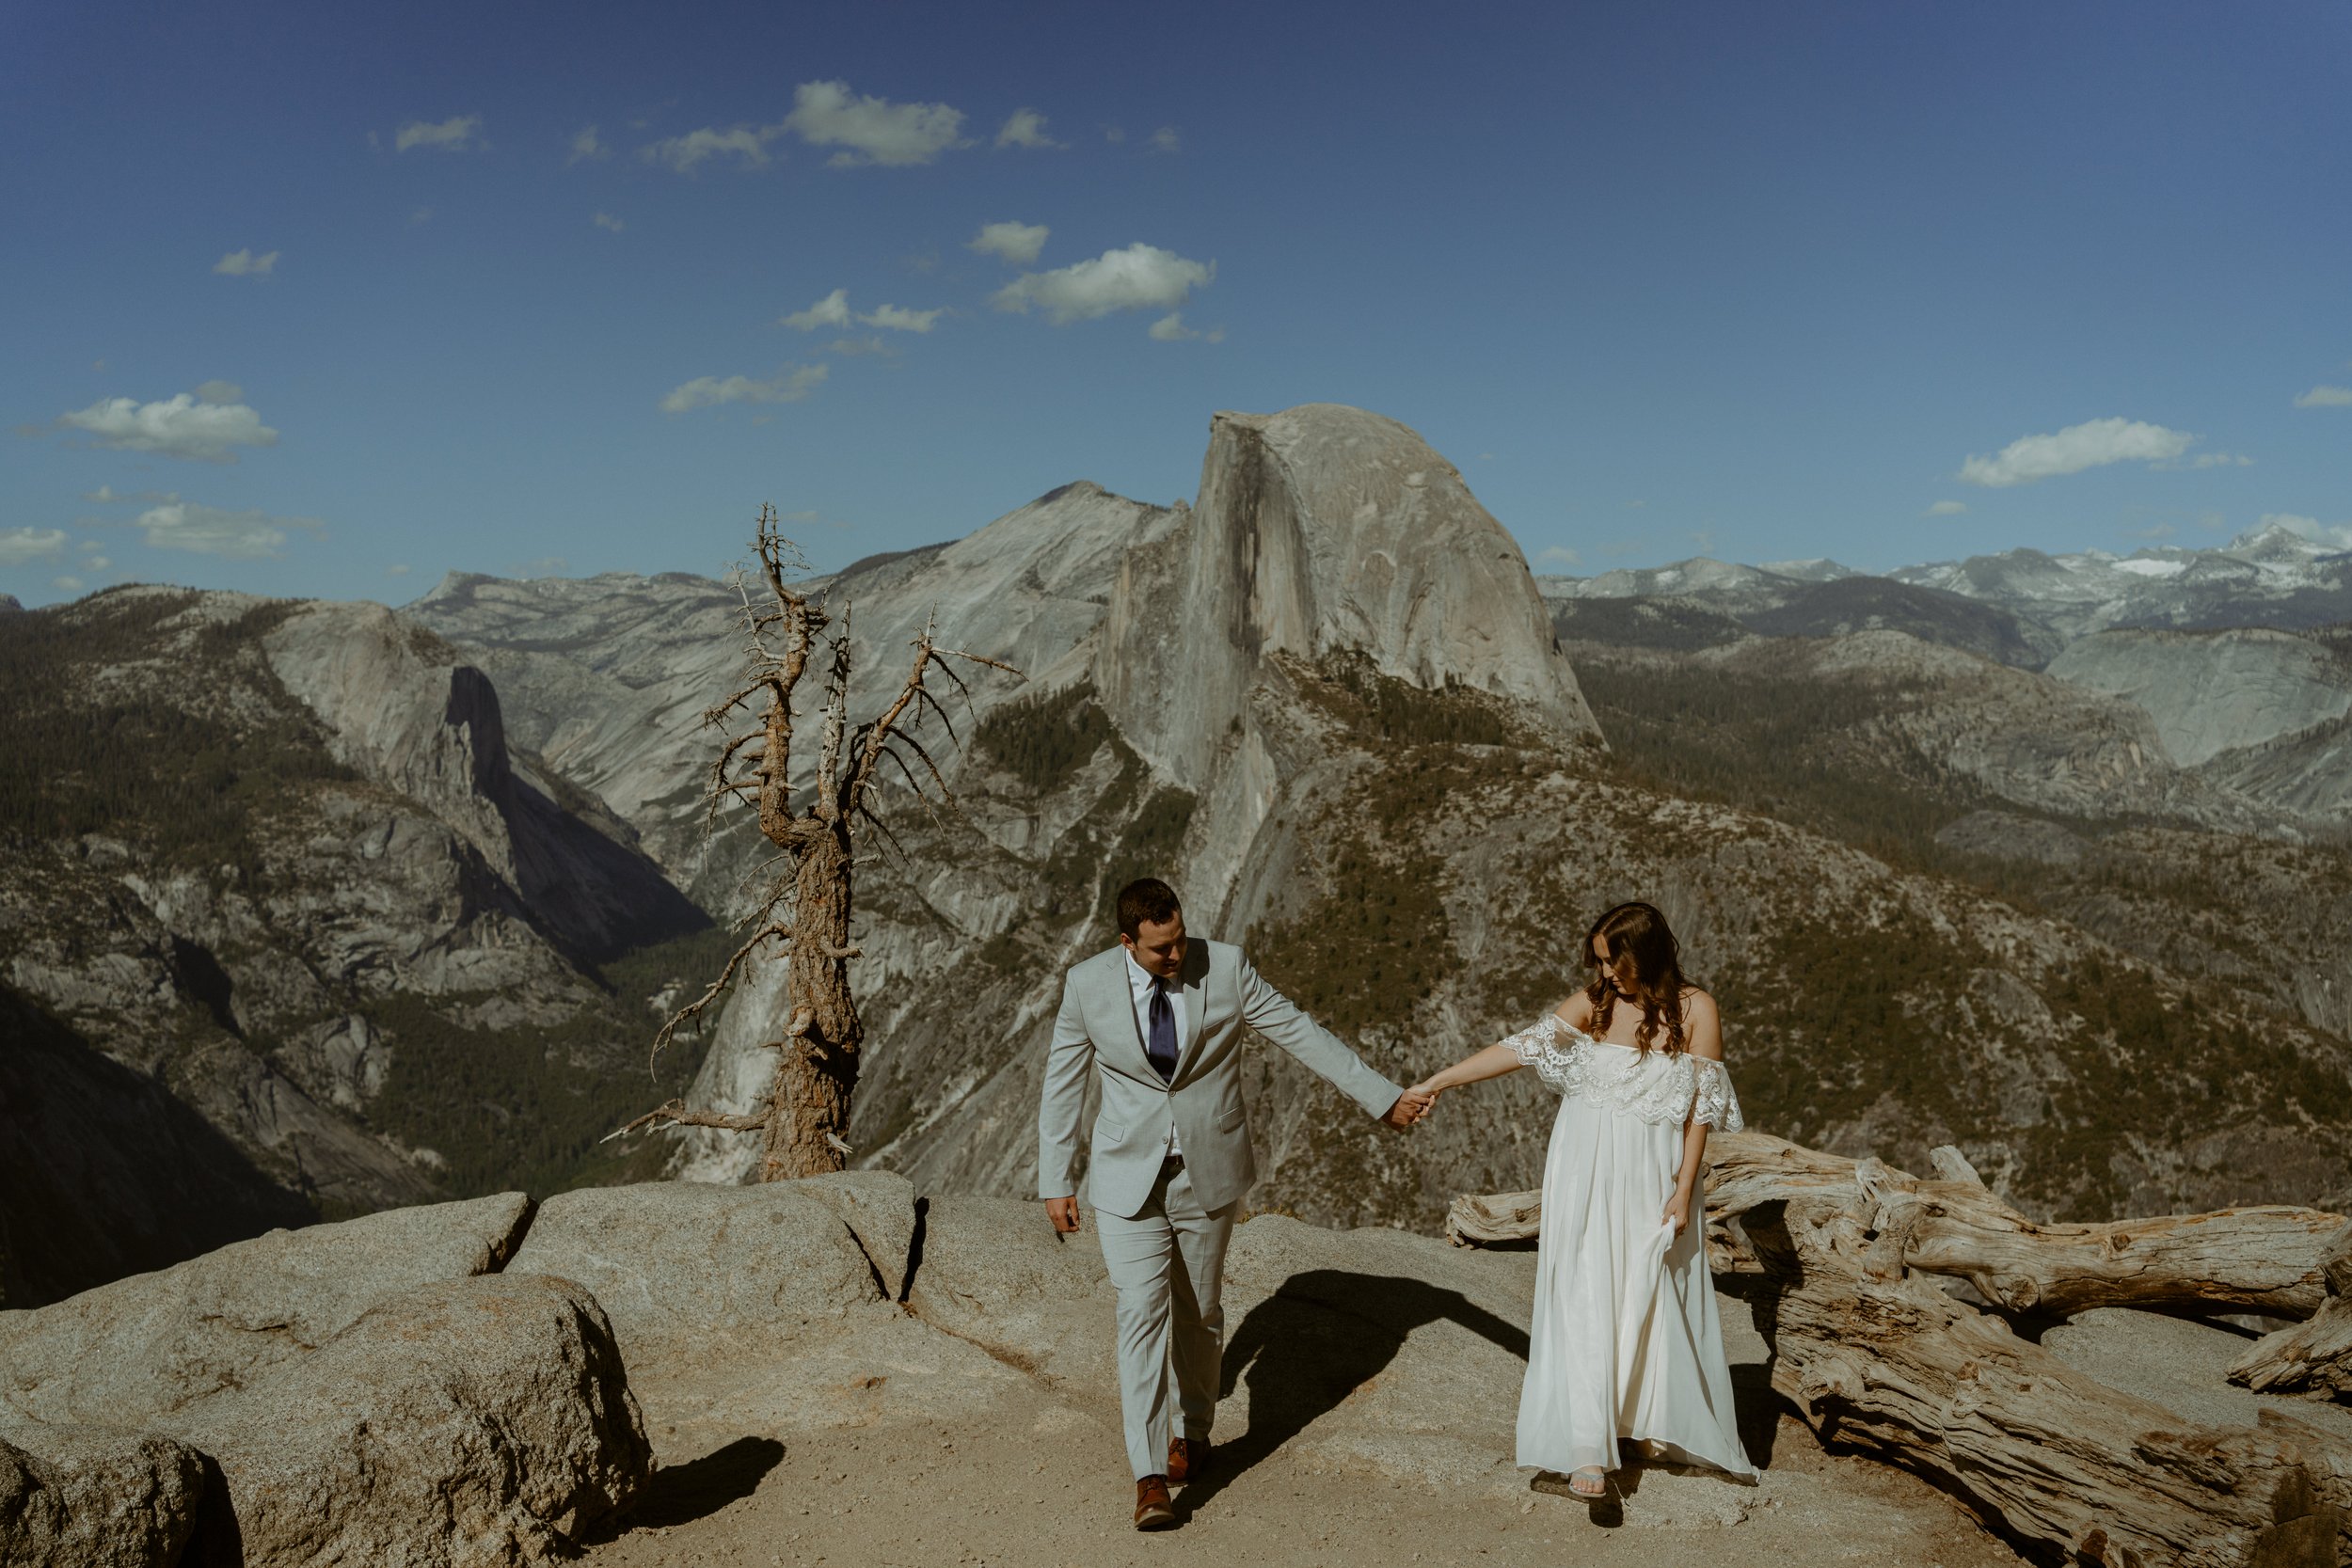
249	840
608	677
2211	692
1321	530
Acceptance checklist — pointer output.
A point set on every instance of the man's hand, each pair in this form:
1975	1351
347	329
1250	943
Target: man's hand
1410	1107
1063	1212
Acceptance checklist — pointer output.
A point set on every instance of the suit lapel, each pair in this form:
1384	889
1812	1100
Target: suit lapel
1196	989
1119	991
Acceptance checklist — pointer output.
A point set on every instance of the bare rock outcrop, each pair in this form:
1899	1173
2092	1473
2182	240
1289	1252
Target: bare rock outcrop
682	1267
406	711
78	1497
134	1351
2211	692
471	1423
1323	529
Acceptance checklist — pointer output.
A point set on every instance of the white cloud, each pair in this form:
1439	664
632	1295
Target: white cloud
1017	244
243	263
1027	128
586	143
871	130
861	346
2325	397
1559	555
1946	508
708	391
897	318
454	134
608	222
396	571
2338	534
249	535
683	153
218	391
1172	330
832	311
2214	460
1141	277
178	427
1166	139
70	585
1114	135
2090	445
423	214
20	545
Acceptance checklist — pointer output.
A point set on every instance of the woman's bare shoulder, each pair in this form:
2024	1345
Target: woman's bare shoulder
1702	1024
1576	1011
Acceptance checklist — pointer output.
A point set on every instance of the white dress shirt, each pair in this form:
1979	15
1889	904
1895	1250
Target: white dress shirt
1140	983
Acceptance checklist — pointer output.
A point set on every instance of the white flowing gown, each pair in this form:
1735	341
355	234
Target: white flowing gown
1625	1343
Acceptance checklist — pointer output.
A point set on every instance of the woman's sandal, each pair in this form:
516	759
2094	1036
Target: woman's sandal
1589	1481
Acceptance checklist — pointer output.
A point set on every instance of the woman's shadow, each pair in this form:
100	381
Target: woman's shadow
1323	1336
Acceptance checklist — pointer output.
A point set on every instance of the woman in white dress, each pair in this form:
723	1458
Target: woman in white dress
1624	1343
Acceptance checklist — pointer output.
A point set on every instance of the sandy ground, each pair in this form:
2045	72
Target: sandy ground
854	1468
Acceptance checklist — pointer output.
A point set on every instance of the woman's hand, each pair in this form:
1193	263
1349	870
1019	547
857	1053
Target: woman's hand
1677	1211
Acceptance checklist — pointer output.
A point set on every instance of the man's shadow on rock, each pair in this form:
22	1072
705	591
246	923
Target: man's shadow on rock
1323	1336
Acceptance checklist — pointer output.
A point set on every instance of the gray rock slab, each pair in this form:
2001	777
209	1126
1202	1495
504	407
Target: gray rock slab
878	1206
474	1423
697	1271
127	1353
77	1497
997	1272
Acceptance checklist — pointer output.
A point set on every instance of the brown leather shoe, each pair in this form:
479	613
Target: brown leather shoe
1187	1460
1152	1509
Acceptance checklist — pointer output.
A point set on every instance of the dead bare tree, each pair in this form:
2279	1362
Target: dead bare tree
804	909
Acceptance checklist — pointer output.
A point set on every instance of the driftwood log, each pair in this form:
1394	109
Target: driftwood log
2314	1357
2264	1259
1877	1355
1877	1358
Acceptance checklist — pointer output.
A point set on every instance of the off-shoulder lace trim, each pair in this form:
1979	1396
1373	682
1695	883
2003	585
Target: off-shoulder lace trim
1657	1088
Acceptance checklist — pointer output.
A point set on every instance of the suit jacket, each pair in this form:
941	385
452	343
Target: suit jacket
1096	1028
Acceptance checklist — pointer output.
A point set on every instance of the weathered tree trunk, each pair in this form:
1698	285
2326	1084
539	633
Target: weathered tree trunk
2311	1357
2254	1260
2314	1356
808	1124
1877	1359
805	1118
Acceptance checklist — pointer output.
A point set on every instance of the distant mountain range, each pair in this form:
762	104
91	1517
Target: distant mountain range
313	908
2027	605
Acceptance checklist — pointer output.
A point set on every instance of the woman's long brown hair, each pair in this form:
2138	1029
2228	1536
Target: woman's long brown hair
1648	962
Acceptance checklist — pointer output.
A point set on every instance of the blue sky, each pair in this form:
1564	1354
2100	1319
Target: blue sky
324	301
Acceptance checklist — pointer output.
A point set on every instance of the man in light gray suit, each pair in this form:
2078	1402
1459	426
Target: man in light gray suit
1159	1019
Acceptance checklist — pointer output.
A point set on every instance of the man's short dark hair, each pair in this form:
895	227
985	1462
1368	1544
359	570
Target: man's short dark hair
1146	899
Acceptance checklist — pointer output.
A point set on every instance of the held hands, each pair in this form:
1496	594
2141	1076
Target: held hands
1411	1107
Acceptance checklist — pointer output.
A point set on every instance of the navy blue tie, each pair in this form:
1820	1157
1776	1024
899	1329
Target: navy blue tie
1161	1046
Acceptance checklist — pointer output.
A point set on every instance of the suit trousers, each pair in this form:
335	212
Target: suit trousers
1167	1263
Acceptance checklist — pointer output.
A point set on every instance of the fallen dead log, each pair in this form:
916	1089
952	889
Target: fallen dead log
1876	1358
2265	1258
2315	1356
2311	1357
